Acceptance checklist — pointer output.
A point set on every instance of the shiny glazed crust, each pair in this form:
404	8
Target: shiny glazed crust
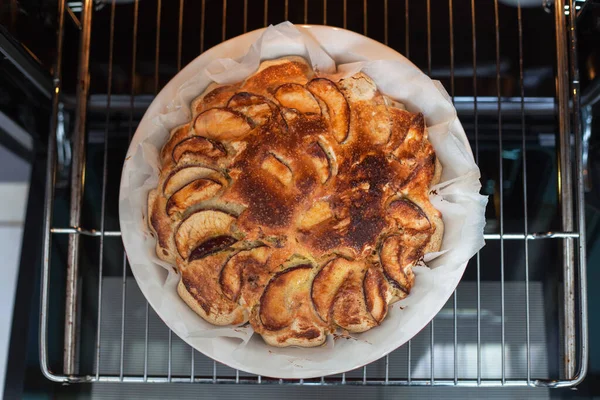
296	203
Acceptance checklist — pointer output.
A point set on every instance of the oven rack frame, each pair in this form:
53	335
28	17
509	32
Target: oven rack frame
574	338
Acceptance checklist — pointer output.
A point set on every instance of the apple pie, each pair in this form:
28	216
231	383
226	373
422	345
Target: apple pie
296	203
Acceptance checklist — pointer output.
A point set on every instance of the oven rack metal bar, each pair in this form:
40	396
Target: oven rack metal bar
487	236
486	105
258	380
572	235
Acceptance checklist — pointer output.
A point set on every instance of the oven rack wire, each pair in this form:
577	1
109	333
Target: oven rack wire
571	238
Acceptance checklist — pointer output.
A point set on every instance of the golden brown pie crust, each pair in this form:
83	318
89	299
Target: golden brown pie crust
296	203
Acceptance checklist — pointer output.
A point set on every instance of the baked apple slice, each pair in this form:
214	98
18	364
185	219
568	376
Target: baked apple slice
413	141
278	168
230	279
337	106
180	177
401	121
408	215
293	95
222	123
404	170
377	293
160	224
349	309
255	107
379	127
327	283
216	96
415	243
273	73
199	227
414	173
338	297
395	266
368	106
360	87
198	146
177	135
210	246
320	161
328	145
243	276
199	288
286	297
319	212
192	193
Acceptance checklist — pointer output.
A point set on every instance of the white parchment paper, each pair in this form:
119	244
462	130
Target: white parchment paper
457	197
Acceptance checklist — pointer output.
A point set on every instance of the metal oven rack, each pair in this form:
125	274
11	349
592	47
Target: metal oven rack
514	329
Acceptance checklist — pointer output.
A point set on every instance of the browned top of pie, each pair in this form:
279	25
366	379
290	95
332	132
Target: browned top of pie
296	203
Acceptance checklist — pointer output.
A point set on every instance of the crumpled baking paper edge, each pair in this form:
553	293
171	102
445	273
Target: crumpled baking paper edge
456	196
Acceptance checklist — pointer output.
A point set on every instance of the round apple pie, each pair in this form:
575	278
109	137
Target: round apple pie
296	203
